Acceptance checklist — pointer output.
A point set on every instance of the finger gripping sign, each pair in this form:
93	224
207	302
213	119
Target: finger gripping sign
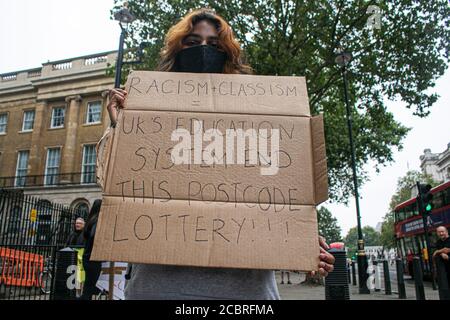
212	170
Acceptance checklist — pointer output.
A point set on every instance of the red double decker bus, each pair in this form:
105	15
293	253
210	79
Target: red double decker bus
409	224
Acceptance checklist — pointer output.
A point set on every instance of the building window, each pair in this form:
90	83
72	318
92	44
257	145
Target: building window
52	166
28	120
44	222
88	164
58	117
3	122
82	209
94	112
22	168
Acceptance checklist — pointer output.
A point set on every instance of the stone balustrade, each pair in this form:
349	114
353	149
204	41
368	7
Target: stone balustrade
58	68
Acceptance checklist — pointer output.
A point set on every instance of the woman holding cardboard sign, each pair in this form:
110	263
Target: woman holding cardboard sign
202	42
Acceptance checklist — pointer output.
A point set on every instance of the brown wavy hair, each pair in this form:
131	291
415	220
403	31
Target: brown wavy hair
228	43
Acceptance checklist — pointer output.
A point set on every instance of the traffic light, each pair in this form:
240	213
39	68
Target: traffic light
425	198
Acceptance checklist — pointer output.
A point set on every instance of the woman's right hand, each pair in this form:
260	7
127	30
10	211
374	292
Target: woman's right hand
116	100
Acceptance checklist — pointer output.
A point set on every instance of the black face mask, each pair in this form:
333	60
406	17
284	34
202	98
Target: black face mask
200	59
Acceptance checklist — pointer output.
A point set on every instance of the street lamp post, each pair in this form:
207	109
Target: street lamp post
342	59
124	17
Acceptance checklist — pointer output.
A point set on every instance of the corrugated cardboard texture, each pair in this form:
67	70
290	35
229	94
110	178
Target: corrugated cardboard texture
142	158
320	159
223	93
211	215
199	234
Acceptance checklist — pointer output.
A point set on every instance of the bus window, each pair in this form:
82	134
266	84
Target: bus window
403	250
409	245
400	215
407	213
414	209
438	201
415	245
420	240
410	210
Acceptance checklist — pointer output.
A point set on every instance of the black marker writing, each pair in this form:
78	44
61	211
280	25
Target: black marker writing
216	230
240	228
150	227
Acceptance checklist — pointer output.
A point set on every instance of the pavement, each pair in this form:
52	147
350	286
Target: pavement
298	291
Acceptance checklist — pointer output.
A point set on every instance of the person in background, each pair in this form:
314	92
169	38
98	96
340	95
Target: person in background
288	274
443	249
201	42
76	238
92	268
392	257
76	242
409	260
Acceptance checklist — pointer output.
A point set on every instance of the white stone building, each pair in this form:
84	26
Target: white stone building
436	164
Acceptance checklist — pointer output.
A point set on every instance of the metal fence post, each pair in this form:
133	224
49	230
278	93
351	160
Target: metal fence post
442	279
348	273
336	283
418	279
387	278
400	279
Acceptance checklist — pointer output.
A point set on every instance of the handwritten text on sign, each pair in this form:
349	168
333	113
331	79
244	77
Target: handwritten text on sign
147	169
227	182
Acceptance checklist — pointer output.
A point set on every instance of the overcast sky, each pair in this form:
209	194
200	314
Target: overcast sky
33	32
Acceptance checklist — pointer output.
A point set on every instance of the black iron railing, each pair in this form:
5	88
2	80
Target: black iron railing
32	230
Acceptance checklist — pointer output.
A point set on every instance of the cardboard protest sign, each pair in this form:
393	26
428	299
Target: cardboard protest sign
212	170
113	279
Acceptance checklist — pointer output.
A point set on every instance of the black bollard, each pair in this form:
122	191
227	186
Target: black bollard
400	279
387	278
418	279
65	260
354	273
377	276
336	285
349	278
442	280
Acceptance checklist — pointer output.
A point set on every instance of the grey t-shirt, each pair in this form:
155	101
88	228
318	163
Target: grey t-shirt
162	282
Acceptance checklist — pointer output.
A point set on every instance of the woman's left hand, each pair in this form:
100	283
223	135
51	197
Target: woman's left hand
326	259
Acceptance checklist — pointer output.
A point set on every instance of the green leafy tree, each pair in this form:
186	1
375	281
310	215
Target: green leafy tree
370	235
405	185
400	60
402	194
387	236
328	225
